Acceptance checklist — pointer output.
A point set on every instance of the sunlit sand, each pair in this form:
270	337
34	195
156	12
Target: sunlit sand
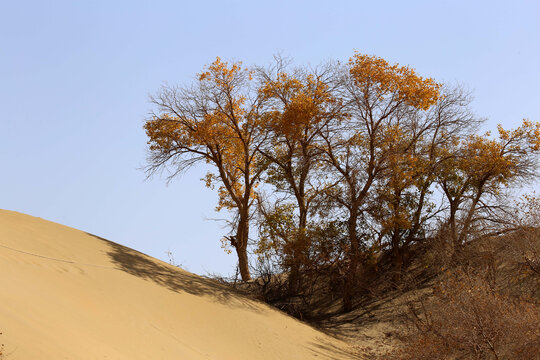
67	294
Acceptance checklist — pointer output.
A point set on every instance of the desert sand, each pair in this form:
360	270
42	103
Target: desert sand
67	294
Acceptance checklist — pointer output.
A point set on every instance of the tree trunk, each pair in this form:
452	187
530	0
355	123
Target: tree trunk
299	249
243	264
297	258
397	256
354	259
468	220
453	226
294	279
242	234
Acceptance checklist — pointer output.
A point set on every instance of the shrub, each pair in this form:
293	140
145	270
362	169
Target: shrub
467	319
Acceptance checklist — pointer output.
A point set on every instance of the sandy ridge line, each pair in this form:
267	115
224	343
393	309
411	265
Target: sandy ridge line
56	259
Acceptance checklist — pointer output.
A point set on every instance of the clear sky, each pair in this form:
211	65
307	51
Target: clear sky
75	78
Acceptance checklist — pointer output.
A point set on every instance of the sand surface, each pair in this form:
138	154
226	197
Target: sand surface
66	294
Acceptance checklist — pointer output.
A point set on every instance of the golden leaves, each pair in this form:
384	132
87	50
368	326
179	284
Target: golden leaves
376	75
528	134
211	121
302	102
164	132
230	119
482	163
220	73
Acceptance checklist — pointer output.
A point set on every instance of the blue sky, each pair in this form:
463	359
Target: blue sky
75	78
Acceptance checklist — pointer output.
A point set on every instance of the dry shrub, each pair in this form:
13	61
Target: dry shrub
524	258
467	319
437	254
509	263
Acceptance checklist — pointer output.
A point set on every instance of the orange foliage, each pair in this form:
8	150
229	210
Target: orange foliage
376	76
303	103
219	132
367	142
212	122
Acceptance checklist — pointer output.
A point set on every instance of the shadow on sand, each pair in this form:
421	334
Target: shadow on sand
143	266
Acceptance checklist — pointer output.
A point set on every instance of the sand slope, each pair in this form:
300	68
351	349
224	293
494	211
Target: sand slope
66	294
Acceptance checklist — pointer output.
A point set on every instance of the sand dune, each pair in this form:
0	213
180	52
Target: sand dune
66	294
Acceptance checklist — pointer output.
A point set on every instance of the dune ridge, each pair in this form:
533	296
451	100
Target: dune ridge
67	294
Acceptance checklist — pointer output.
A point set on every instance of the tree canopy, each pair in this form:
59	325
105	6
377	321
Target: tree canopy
334	166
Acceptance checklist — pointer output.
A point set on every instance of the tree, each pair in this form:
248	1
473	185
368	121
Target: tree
378	99
478	167
404	203
297	105
214	121
338	163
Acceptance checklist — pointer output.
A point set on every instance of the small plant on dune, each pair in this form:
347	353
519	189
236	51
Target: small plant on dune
171	259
